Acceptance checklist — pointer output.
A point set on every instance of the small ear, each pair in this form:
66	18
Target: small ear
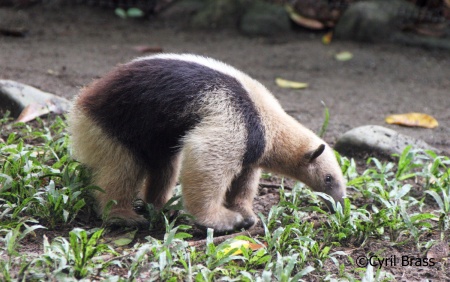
311	156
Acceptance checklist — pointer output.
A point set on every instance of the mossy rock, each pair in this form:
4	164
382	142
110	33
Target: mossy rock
218	14
265	19
374	21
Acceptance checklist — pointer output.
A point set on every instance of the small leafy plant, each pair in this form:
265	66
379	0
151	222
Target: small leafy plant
45	201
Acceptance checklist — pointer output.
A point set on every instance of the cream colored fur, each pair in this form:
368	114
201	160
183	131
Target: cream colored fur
114	170
217	190
212	156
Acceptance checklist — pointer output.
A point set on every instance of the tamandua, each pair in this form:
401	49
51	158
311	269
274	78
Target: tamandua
168	116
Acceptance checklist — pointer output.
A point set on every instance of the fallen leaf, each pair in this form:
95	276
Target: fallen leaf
326	39
122	241
290	84
34	110
135	13
125	239
238	244
305	22
434	30
147	49
121	13
343	56
413	119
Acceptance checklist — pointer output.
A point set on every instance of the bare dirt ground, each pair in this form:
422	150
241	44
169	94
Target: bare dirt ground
67	47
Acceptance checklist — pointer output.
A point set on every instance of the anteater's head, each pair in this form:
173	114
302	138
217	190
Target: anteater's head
322	173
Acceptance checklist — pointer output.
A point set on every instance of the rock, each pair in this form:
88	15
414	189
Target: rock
265	19
372	139
218	14
26	102
422	41
254	18
374	21
383	21
181	12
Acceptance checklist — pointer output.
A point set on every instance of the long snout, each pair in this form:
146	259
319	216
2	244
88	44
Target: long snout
338	197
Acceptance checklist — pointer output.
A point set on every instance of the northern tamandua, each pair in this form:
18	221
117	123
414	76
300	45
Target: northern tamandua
157	118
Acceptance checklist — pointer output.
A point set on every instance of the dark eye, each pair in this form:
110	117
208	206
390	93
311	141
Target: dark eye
328	179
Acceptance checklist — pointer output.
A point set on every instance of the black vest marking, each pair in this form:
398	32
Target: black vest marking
150	105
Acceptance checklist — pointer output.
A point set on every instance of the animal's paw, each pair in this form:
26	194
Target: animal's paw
126	218
226	221
139	206
247	213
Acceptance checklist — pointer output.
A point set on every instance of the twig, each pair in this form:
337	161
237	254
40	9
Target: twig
18	32
277	186
220	239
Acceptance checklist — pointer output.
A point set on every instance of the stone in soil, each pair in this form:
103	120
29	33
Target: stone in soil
375	139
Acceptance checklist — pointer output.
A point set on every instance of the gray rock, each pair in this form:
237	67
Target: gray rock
181	12
422	41
374	21
383	21
370	139
16	97
217	14
265	19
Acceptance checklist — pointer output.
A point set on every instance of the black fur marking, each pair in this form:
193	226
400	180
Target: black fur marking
150	105
316	153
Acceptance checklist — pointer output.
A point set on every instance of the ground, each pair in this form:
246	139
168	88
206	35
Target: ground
67	47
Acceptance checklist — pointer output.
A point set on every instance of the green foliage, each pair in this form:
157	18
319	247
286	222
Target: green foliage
42	187
10	243
38	178
325	121
77	257
84	249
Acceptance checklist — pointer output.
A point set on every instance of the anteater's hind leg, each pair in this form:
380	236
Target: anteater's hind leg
160	182
113	167
121	182
242	192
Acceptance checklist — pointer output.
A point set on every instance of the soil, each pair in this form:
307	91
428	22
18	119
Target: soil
66	47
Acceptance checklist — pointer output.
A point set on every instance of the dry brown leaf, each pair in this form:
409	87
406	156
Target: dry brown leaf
32	111
147	49
326	39
305	22
413	119
242	243
35	110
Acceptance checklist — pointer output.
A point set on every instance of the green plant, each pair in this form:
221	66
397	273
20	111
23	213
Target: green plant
326	120
40	179
75	257
284	269
398	204
444	207
11	242
84	249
